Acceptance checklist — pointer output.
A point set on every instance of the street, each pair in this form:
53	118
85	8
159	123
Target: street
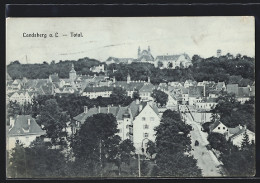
207	161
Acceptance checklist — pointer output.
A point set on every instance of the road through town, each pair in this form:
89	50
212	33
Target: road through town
207	161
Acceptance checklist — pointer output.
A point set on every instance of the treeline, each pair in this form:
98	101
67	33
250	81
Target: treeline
42	71
211	69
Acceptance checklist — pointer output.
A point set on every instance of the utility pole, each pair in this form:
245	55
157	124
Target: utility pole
139	167
100	158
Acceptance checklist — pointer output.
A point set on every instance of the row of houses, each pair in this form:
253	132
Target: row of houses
235	135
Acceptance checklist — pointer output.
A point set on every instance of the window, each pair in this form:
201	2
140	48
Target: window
152	119
127	134
127	126
223	128
143	118
120	130
218	127
146	126
146	135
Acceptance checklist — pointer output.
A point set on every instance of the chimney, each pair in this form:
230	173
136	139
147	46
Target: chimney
11	122
29	121
140	108
98	109
85	109
137	101
240	127
149	80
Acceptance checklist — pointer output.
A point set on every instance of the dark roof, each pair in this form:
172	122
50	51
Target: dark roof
119	60
21	124
196	91
232	88
47	89
55	78
146	58
243	92
214	125
220	85
147	87
129	86
98	89
168	57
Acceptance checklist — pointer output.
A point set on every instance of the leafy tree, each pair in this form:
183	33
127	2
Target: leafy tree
160	97
119	152
136	95
151	148
90	142
36	161
53	120
218	141
118	95
172	141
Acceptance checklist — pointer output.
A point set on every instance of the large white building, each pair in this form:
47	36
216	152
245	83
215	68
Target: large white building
135	121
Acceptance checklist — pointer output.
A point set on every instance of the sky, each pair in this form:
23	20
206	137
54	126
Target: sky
121	37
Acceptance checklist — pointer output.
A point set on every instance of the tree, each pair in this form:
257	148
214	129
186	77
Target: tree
90	142
151	148
36	161
172	141
245	142
160	97
218	141
118	95
136	95
119	152
53	120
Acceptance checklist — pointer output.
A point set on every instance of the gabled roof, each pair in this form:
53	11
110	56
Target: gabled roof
220	85
21	126
148	87
237	131
214	125
47	88
232	88
195	91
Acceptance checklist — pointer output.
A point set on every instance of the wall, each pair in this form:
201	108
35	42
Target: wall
138	126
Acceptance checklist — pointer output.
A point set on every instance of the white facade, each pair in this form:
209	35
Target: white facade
238	139
21	98
221	128
93	95
205	105
26	140
242	100
143	127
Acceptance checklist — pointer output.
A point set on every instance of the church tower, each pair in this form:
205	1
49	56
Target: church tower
139	52
73	73
128	79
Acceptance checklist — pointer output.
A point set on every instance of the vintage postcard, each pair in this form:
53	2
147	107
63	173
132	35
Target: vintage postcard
130	97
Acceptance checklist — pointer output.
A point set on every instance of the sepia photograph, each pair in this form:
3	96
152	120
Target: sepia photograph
130	97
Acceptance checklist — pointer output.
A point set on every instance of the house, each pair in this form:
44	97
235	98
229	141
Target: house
96	91
236	135
146	91
206	104
195	94
189	83
132	120
23	129
243	94
218	127
232	88
221	86
172	101
98	69
54	78
173	61
163	87
21	97
115	60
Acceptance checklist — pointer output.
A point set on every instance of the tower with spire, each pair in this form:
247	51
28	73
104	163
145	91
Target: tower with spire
73	73
139	52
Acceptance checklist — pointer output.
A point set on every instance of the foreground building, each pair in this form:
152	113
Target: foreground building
22	129
135	121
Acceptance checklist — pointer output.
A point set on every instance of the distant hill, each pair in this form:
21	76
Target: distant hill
34	71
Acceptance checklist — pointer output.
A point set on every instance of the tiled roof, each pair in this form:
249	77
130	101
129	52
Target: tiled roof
168	57
214	125
147	88
243	92
220	85
47	89
195	91
232	88
146	58
21	124
98	89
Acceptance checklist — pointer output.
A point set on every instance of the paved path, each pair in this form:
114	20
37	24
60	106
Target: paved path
207	161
